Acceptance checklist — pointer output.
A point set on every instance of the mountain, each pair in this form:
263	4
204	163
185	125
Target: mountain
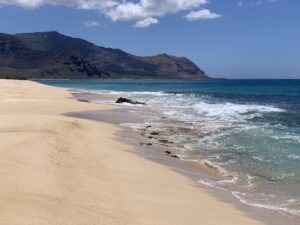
19	60
53	55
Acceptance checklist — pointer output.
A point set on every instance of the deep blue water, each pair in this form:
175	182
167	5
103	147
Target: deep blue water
248	129
285	93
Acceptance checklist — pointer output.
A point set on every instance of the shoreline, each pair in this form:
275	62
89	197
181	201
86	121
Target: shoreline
193	170
65	170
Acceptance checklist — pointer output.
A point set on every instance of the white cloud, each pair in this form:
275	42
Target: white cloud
81	4
129	10
203	14
22	3
142	11
146	22
90	23
251	3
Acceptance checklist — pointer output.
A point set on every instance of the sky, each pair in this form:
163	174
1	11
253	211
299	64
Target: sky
225	38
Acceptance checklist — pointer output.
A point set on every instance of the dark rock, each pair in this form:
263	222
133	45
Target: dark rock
174	156
154	133
126	100
148	144
168	152
83	100
164	141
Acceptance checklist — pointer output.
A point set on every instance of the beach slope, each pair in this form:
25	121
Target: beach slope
60	170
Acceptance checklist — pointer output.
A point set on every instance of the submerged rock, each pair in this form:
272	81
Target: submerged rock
147	144
164	141
171	154
130	101
150	137
174	156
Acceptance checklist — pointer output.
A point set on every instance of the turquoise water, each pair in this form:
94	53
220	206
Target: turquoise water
249	130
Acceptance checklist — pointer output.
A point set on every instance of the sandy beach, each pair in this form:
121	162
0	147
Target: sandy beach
58	170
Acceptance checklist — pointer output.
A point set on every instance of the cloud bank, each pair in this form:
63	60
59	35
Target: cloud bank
143	12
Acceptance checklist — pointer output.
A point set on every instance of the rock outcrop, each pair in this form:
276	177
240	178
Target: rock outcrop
129	101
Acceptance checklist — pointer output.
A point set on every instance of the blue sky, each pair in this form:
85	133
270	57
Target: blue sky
226	38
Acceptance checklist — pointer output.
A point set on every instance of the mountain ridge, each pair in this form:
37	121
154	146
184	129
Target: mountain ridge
57	56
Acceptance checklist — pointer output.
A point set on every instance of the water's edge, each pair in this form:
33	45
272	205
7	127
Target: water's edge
164	154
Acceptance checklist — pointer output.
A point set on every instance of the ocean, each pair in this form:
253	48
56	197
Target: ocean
247	130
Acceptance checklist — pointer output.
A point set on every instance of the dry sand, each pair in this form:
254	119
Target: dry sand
66	171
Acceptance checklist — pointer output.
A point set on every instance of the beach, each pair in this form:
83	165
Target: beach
56	169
